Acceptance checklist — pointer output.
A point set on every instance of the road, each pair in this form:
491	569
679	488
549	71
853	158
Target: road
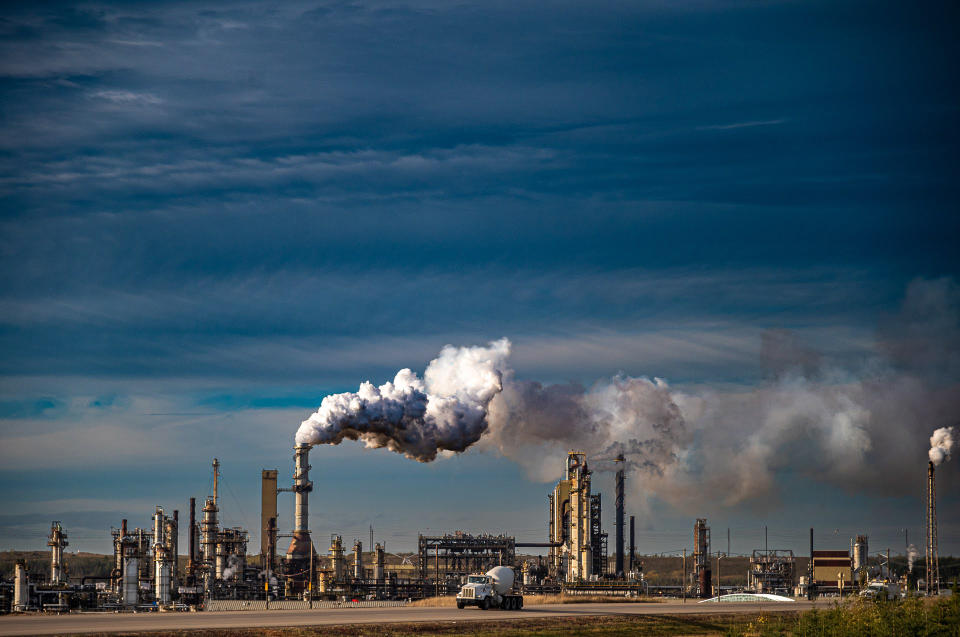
128	622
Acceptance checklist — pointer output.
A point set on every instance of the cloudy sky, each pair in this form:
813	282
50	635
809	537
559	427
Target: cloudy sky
215	214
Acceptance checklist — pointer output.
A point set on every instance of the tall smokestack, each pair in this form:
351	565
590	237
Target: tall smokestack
300	553
933	560
618	503
192	540
302	487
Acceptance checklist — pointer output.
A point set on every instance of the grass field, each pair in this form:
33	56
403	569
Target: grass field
907	618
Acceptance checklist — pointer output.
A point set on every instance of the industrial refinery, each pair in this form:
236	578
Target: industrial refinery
151	571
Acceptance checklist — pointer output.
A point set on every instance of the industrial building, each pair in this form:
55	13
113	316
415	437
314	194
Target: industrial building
578	550
147	572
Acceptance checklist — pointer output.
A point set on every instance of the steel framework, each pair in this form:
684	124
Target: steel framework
459	554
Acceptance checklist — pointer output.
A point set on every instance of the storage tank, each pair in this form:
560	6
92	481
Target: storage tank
131	576
21	587
378	562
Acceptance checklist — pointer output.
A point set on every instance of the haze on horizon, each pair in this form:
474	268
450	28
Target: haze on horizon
736	218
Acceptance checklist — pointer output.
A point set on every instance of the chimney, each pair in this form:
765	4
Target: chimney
619	506
302	487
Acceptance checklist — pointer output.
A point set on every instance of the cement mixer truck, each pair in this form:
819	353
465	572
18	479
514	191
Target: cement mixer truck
490	590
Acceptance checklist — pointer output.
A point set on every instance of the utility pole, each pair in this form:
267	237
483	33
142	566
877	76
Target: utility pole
683	578
310	583
719	555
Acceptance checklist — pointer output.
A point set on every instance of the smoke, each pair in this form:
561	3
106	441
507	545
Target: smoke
941	444
445	411
636	417
232	563
912	554
857	428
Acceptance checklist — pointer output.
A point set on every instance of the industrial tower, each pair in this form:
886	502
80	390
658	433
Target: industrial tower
933	560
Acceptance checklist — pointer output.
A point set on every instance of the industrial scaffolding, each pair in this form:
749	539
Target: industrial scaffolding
460	554
772	571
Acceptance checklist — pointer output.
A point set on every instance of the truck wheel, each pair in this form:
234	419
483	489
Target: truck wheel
460	605
485	603
520	603
512	604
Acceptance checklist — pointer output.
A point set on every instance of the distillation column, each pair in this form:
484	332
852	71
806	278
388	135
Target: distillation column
209	526
378	553
161	578
357	559
57	541
21	588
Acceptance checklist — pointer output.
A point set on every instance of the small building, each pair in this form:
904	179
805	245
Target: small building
830	568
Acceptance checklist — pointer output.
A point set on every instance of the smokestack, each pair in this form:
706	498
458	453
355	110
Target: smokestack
618	503
301	546
933	559
302	487
268	508
632	545
192	540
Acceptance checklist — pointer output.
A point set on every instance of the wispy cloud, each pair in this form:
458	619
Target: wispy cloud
128	97
751	124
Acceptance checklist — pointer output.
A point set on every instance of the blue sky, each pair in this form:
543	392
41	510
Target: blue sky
214	214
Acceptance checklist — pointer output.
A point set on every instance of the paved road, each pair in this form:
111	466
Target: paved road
128	622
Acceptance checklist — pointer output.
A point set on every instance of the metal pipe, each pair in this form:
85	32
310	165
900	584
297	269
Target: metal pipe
632	545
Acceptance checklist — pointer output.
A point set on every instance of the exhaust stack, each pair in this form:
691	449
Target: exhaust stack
301	546
302	487
619	506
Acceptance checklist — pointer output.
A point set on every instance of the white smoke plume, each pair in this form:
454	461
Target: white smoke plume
852	430
444	411
912	554
941	445
233	562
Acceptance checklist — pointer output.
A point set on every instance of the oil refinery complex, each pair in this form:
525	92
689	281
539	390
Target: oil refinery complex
152	571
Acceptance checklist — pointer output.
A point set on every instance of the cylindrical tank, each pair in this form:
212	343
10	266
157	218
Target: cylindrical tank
172	542
358	559
131	577
378	571
860	553
162	582
21	588
705	582
322	581
208	532
336	557
221	560
502	577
